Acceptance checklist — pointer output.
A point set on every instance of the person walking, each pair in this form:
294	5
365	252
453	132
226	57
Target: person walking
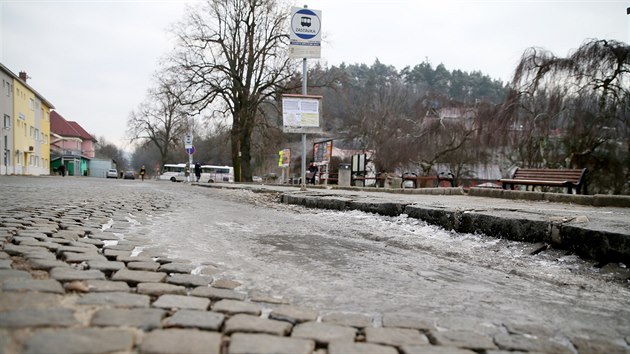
313	170
197	171
143	171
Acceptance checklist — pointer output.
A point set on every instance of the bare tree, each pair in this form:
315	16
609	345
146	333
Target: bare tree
105	149
160	119
232	58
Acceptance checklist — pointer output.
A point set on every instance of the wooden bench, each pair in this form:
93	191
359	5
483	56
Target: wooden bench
441	177
569	179
377	180
447	177
408	176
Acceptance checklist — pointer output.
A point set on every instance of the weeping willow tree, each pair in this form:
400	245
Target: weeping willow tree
573	112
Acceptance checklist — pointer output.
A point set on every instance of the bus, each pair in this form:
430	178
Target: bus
174	172
211	174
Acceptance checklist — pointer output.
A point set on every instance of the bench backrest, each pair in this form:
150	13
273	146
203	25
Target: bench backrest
556	175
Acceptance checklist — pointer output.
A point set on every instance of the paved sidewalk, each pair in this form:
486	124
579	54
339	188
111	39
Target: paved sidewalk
74	280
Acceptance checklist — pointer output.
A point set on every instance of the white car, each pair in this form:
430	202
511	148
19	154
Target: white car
112	173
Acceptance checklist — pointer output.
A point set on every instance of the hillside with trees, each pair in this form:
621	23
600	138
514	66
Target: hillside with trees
224	82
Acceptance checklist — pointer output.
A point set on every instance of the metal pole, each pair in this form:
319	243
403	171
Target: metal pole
304	91
190	156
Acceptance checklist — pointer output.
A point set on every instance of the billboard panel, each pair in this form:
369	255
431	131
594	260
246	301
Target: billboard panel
284	158
322	152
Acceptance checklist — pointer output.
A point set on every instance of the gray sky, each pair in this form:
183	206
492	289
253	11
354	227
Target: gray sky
93	59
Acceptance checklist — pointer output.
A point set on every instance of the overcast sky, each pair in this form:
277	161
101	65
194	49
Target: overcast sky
93	59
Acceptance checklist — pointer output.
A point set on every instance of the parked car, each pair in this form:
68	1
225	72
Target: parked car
112	173
129	175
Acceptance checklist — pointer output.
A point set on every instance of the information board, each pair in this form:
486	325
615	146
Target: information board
300	113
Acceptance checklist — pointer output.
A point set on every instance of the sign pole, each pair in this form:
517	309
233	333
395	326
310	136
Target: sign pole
304	42
304	89
190	156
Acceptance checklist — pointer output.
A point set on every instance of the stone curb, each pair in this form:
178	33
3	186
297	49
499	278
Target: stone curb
597	200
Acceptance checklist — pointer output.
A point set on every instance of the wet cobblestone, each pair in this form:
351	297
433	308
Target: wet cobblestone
74	279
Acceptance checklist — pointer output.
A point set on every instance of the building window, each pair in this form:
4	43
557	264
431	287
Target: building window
7	152
7	121
36	134
8	87
31	104
34	161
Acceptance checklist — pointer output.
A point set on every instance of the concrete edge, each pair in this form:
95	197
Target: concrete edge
597	200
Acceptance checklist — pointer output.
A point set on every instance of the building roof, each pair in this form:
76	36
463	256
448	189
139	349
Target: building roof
60	126
16	77
84	135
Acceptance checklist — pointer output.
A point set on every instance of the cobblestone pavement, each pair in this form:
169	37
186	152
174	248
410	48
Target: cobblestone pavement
74	279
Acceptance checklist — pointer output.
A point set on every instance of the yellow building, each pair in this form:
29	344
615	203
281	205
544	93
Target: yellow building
26	140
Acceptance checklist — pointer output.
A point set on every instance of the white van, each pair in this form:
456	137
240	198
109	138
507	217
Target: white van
174	172
212	174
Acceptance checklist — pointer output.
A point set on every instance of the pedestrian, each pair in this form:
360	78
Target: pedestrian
313	169
197	171
62	170
142	172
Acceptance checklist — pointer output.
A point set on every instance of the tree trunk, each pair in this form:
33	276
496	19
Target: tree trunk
236	161
246	158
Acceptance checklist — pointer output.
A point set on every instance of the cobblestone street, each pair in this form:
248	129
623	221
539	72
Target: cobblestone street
116	266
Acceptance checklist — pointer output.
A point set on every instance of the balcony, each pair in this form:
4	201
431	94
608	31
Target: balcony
71	153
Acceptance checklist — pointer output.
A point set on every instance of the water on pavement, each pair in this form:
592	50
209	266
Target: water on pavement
359	262
353	261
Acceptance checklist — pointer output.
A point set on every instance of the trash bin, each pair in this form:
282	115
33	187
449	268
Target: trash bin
344	175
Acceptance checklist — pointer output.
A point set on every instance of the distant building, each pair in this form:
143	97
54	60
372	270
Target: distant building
99	167
25	135
448	116
70	146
